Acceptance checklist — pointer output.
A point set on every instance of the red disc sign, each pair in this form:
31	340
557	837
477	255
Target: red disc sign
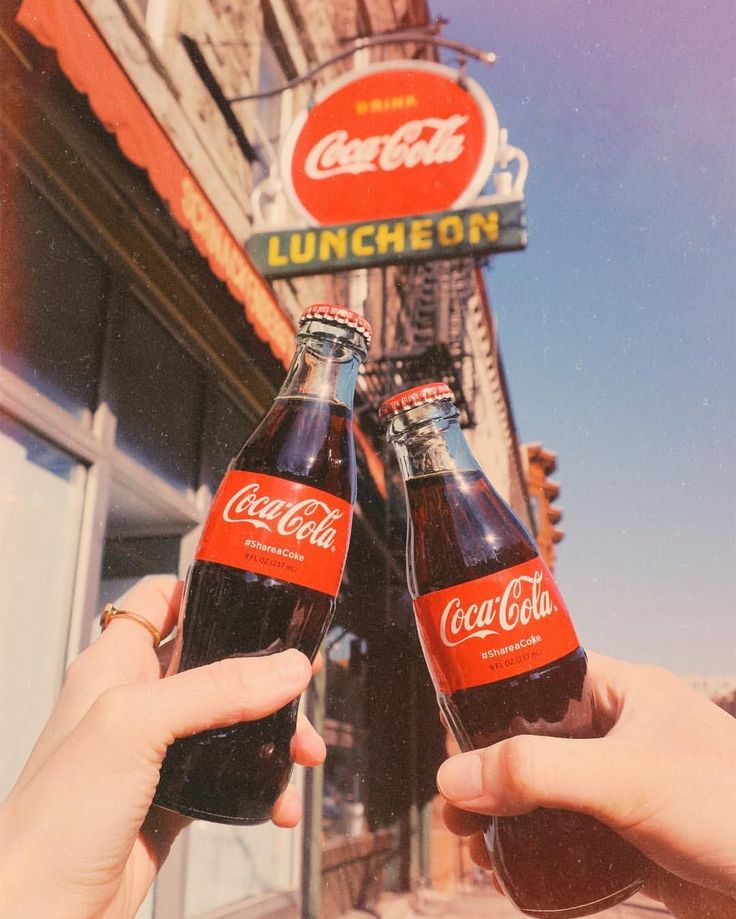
390	140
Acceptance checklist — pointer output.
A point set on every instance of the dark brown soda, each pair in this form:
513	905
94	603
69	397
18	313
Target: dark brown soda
552	863
234	774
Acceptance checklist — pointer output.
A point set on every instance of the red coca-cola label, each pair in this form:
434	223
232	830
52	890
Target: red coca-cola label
495	627
278	528
397	138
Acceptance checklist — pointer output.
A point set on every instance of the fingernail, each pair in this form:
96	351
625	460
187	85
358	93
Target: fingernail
458	778
294	666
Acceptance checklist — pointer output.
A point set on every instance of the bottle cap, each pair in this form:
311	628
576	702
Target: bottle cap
411	398
329	312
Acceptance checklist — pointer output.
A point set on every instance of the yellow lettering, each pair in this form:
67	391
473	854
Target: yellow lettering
487	223
376	105
333	243
411	101
450	230
421	234
275	256
387	237
361	107
302	247
358	244
397	102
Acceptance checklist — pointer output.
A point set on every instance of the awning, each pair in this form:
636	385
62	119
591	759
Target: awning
94	71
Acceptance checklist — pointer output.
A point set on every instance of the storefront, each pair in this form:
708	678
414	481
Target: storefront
138	348
139	345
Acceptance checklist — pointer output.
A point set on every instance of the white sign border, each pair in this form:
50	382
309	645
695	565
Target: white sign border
490	123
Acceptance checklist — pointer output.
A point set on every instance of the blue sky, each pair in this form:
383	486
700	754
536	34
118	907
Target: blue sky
617	324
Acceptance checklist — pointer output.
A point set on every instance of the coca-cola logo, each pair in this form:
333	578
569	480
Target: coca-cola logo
395	139
416	143
310	519
524	599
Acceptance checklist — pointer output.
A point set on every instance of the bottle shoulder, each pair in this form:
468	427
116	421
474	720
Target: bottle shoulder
304	440
459	529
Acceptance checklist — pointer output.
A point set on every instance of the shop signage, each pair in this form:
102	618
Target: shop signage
94	71
474	231
398	138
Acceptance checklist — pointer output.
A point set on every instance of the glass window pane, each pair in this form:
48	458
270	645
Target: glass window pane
53	310
41	493
226	429
345	733
156	390
226	864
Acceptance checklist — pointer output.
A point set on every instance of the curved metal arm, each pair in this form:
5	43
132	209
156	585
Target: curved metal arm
486	57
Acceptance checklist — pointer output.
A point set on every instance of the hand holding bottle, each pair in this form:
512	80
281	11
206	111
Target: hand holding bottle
78	831
662	777
268	566
503	654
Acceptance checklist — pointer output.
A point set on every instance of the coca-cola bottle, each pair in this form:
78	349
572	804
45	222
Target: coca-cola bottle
502	652
268	567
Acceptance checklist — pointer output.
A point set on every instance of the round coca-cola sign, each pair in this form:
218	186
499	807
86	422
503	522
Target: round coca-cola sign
392	139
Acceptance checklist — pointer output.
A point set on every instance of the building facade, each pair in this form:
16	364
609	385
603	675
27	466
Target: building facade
138	348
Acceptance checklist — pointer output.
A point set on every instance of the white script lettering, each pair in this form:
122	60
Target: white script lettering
310	519
422	142
523	599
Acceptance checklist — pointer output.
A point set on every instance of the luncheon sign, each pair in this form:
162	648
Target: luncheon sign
388	164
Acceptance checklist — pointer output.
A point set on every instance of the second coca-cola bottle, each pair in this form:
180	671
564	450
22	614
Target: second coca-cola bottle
268	567
502	652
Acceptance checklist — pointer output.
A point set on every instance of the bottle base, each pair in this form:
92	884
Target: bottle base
210	817
587	909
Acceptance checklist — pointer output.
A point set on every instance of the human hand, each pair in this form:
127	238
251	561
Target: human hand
662	778
78	830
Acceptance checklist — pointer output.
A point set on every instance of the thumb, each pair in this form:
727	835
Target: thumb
517	775
81	811
235	689
106	771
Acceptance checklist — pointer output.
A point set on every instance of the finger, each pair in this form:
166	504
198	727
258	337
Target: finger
119	745
307	747
607	681
287	811
479	853
122	654
522	773
462	823
220	694
157	598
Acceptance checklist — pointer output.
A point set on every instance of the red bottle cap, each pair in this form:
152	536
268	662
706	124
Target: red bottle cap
410	398
329	312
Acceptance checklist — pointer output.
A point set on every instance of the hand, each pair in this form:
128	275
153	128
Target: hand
78	830
662	777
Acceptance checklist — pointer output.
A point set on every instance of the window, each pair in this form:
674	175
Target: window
54	294
156	391
345	732
226	864
41	492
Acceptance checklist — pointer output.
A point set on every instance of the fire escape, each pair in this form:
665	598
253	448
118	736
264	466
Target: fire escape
423	331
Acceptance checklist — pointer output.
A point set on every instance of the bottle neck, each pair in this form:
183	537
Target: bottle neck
325	365
428	439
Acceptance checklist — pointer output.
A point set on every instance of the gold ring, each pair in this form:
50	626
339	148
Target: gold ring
111	612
